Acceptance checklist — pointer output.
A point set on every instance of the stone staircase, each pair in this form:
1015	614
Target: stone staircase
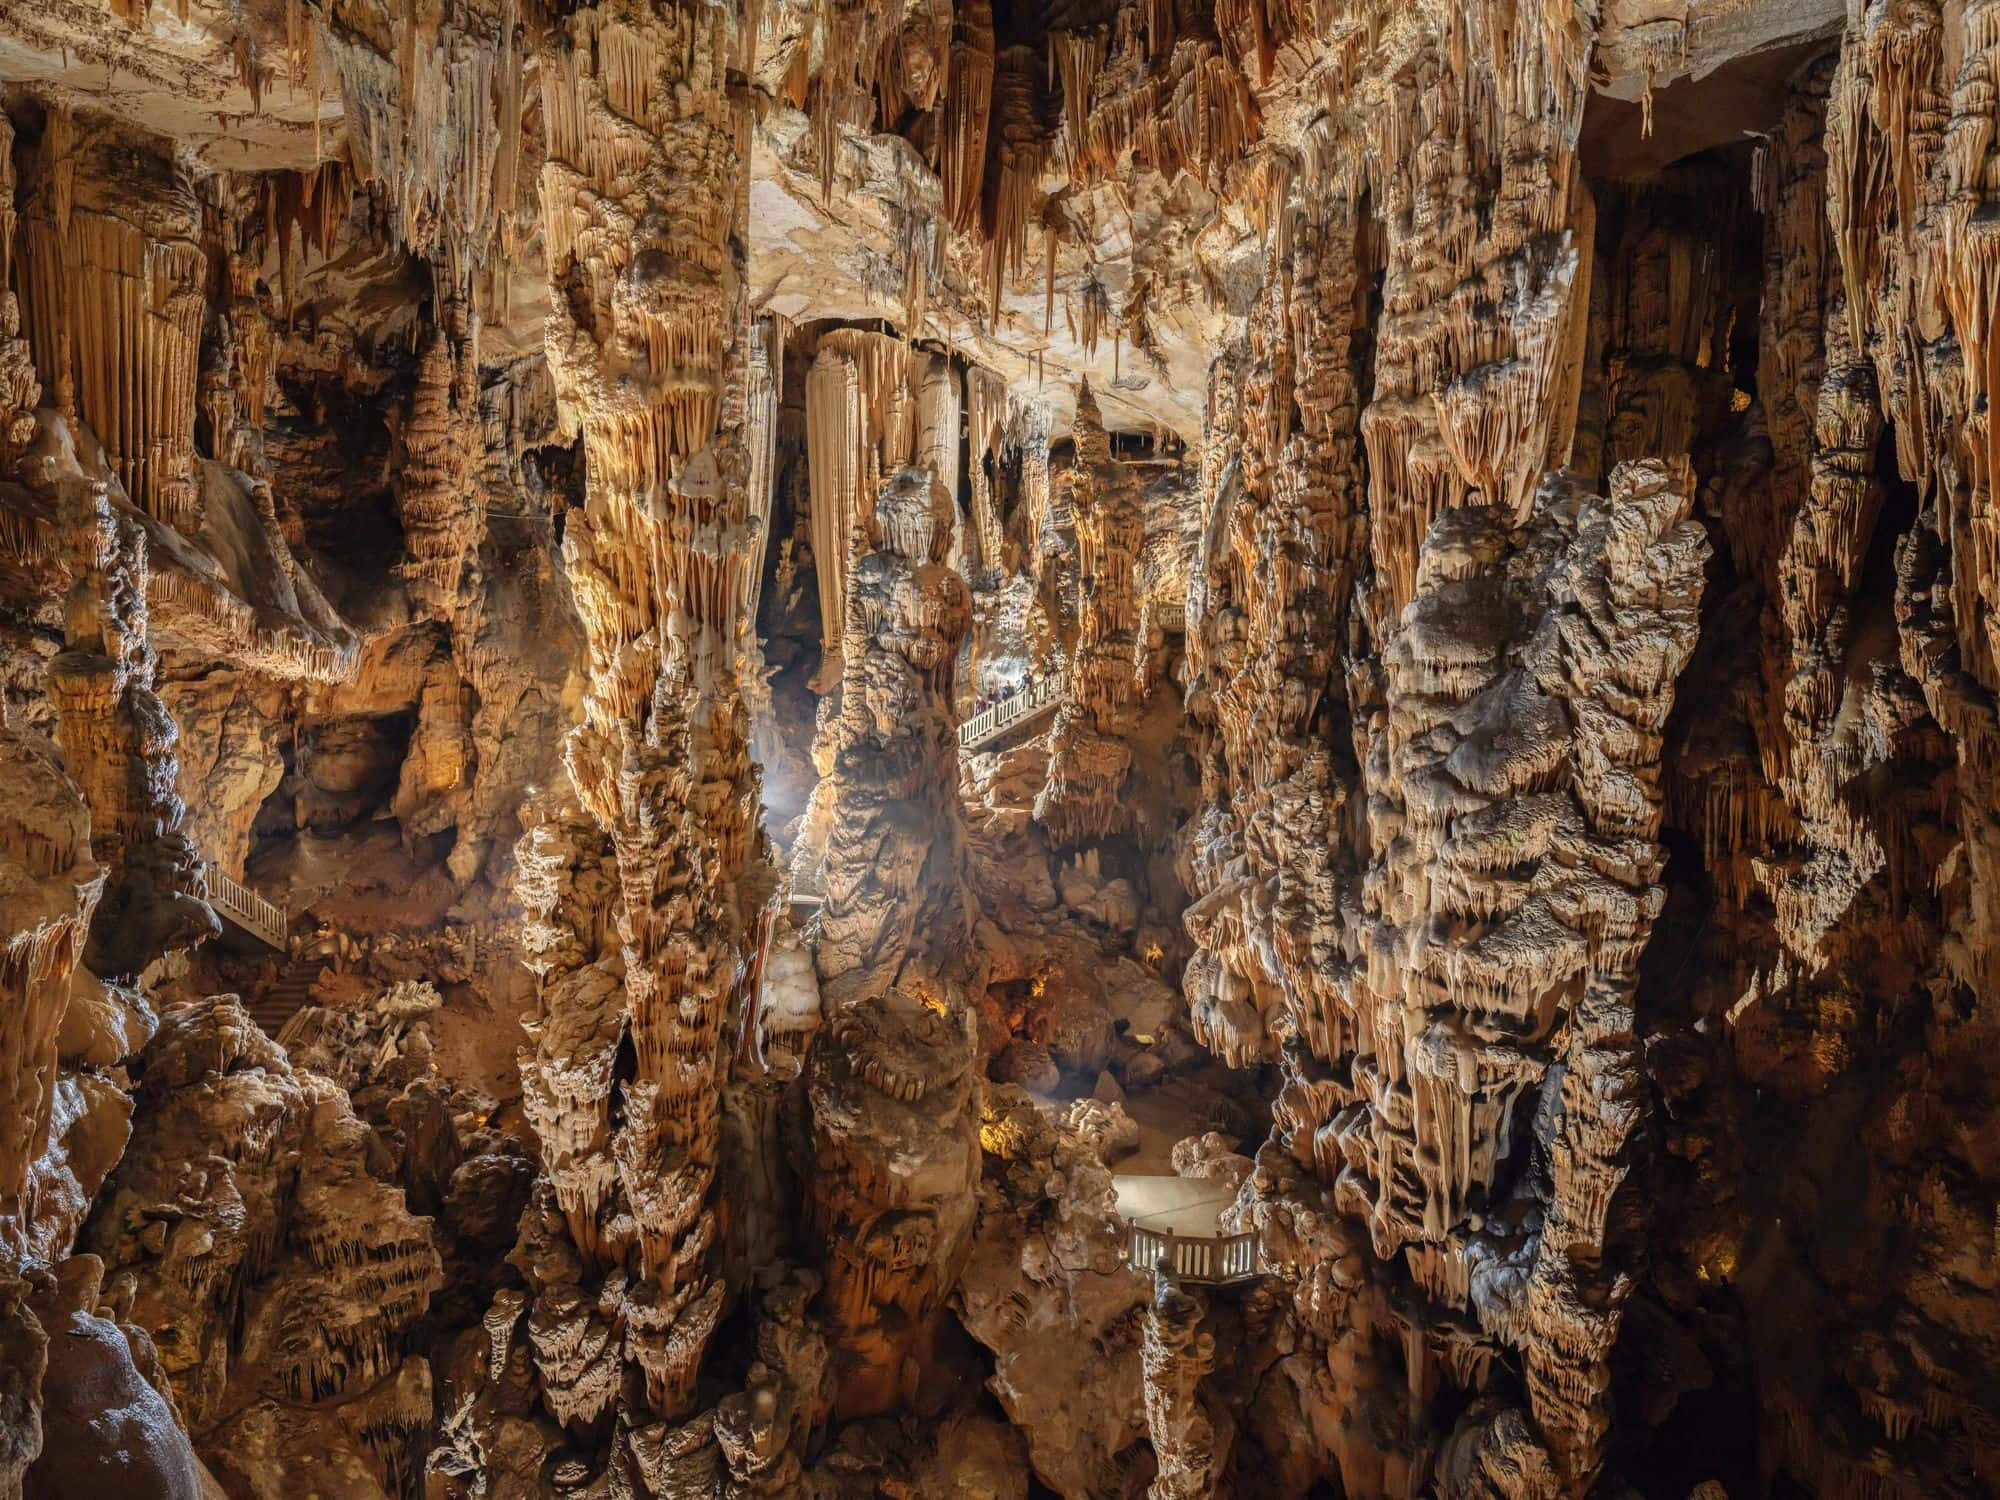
267	922
287	995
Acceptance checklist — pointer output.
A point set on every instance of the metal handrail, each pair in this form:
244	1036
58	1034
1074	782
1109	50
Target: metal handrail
261	918
1211	1260
1008	712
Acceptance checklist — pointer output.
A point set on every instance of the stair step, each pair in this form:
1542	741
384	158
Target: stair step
285	996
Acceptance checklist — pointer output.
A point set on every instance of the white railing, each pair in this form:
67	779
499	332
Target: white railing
260	918
998	718
1217	1261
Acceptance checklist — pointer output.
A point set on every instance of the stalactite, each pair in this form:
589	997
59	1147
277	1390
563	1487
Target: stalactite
836	448
114	275
1019	149
968	113
764	397
1074	60
860	426
442	135
1524	1220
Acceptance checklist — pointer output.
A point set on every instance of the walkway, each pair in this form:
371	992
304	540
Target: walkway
265	921
990	723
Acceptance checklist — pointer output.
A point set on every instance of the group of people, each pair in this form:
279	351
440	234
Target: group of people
996	696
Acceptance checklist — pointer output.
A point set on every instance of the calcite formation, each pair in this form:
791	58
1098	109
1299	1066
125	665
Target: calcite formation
1047	1290
1089	747
244	1232
894	871
775	644
51	886
894	1133
112	270
119	735
1177	1355
646	349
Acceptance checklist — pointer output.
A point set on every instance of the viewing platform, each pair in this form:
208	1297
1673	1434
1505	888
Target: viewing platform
1179	1220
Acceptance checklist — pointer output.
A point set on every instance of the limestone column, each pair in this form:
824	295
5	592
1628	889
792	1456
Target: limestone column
894	1139
937	449
644	917
835	442
1089	755
765	395
861	426
436	491
986	425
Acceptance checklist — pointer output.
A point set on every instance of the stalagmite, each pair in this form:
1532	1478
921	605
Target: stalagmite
436	494
20	390
120	737
1088	756
245	1235
49	886
1177	1355
894	876
894	1117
